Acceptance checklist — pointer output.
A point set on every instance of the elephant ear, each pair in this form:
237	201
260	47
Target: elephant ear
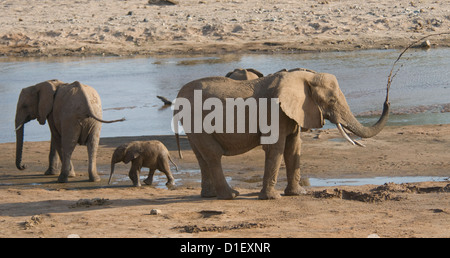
46	93
130	155
294	94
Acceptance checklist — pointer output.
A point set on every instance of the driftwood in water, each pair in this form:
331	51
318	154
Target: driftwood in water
166	101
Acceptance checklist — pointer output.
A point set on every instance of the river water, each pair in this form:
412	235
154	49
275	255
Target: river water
128	86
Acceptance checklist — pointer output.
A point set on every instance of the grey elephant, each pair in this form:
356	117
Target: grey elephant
74	115
236	74
150	154
301	98
244	74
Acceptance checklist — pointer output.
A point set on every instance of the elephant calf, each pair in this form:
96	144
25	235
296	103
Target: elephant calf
150	154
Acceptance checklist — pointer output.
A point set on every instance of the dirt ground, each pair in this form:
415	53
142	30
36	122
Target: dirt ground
34	205
135	27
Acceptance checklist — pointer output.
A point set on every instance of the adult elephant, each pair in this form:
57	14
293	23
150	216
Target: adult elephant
244	74
305	98
73	112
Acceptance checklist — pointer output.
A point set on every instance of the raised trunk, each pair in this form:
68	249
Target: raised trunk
19	147
355	127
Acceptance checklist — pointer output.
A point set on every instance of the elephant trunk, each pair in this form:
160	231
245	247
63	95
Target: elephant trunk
352	124
367	132
19	146
112	171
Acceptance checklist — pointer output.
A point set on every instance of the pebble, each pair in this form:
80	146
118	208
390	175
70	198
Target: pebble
73	236
425	44
155	212
373	236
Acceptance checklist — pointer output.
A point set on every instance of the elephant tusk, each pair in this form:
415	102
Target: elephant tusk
345	135
18	128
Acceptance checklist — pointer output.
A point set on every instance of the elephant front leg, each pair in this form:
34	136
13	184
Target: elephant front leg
149	180
134	174
53	161
292	153
271	167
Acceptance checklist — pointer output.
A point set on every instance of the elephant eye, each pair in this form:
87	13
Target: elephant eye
332	101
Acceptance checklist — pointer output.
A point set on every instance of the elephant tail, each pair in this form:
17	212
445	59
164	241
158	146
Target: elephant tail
177	136
106	121
176	167
90	112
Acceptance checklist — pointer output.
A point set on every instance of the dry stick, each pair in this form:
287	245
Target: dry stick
390	77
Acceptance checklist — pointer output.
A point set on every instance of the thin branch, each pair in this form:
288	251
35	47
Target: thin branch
391	77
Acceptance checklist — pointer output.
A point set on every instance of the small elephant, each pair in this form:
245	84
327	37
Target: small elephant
244	74
150	154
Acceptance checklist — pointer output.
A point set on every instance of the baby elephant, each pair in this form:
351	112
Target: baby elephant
150	154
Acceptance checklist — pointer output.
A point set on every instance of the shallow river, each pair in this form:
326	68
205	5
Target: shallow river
128	86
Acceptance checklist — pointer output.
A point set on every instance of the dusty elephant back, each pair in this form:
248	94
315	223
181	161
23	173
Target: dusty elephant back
76	102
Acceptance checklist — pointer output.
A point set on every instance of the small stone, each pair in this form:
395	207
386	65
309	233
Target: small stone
155	212
73	236
425	44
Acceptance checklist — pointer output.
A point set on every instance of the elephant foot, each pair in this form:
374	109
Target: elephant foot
94	179
208	193
228	196
269	194
170	185
63	179
52	172
149	181
294	190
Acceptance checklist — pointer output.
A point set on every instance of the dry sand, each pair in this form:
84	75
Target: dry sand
34	205
131	27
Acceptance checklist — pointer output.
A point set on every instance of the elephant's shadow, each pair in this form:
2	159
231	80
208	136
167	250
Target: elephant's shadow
18	209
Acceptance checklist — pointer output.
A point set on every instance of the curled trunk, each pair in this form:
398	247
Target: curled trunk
367	132
19	147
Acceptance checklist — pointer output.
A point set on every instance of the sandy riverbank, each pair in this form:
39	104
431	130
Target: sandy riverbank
134	27
34	205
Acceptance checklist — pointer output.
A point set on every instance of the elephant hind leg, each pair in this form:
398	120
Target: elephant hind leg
292	153
92	147
165	168
65	154
209	158
208	189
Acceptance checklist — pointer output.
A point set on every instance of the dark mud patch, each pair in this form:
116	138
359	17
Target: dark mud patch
356	195
412	188
90	202
210	213
386	192
214	228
